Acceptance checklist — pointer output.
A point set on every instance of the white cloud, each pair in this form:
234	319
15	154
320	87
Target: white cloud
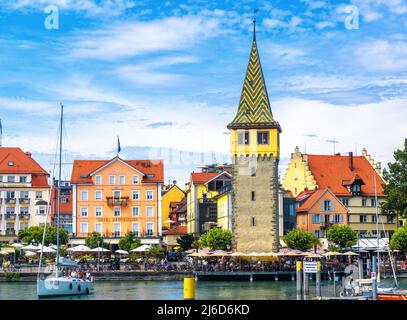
382	55
146	73
134	38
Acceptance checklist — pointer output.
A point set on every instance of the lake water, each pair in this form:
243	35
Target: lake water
173	290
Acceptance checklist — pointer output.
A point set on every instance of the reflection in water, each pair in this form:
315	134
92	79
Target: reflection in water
173	290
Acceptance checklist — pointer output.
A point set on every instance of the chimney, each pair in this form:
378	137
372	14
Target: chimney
28	154
351	161
379	167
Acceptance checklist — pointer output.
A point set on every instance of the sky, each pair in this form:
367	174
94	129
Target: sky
166	77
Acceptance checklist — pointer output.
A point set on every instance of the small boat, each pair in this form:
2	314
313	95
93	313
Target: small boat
57	284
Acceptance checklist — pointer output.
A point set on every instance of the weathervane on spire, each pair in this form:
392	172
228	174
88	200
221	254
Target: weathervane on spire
254	23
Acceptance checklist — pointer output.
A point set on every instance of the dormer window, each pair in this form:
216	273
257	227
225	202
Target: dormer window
355	189
11	164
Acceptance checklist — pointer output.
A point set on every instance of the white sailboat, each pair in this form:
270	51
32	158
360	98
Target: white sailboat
57	284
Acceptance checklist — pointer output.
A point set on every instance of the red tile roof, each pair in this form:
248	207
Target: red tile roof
176	231
202	177
23	163
308	198
333	172
148	167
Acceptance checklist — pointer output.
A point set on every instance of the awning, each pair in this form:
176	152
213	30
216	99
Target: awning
370	244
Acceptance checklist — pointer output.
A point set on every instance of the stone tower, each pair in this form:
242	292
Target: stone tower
254	148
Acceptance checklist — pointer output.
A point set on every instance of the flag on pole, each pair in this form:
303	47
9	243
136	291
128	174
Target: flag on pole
118	146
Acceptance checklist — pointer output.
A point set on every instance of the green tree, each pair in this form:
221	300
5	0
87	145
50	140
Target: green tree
128	242
395	188
216	239
342	235
95	240
156	252
300	240
399	240
185	241
35	233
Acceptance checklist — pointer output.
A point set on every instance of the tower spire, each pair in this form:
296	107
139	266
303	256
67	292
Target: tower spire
254	109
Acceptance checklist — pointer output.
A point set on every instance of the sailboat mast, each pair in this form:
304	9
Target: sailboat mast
377	219
59	187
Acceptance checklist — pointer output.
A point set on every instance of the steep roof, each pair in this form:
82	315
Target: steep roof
333	171
203	177
309	198
82	168
23	162
254	107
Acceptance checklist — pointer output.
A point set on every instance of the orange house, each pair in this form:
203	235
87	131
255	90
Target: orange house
318	210
116	196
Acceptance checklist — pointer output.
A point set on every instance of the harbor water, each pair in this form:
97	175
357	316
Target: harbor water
173	290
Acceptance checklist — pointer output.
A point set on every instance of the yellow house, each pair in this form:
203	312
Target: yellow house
171	193
201	208
224	209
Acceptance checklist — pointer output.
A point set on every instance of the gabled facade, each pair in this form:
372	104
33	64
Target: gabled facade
201	207
24	192
352	180
116	196
318	210
170	195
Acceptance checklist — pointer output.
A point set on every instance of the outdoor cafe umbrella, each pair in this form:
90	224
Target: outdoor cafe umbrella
350	253
17	245
30	254
3	253
219	253
100	249
237	254
121	251
79	248
46	249
331	253
198	254
31	247
313	255
142	248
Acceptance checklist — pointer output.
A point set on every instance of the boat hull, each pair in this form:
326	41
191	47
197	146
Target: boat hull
63	286
392	296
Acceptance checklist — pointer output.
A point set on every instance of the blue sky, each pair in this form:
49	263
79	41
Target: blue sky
168	74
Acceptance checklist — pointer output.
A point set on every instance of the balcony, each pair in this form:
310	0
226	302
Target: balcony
11	216
10	200
24	200
25	216
10	232
119	201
